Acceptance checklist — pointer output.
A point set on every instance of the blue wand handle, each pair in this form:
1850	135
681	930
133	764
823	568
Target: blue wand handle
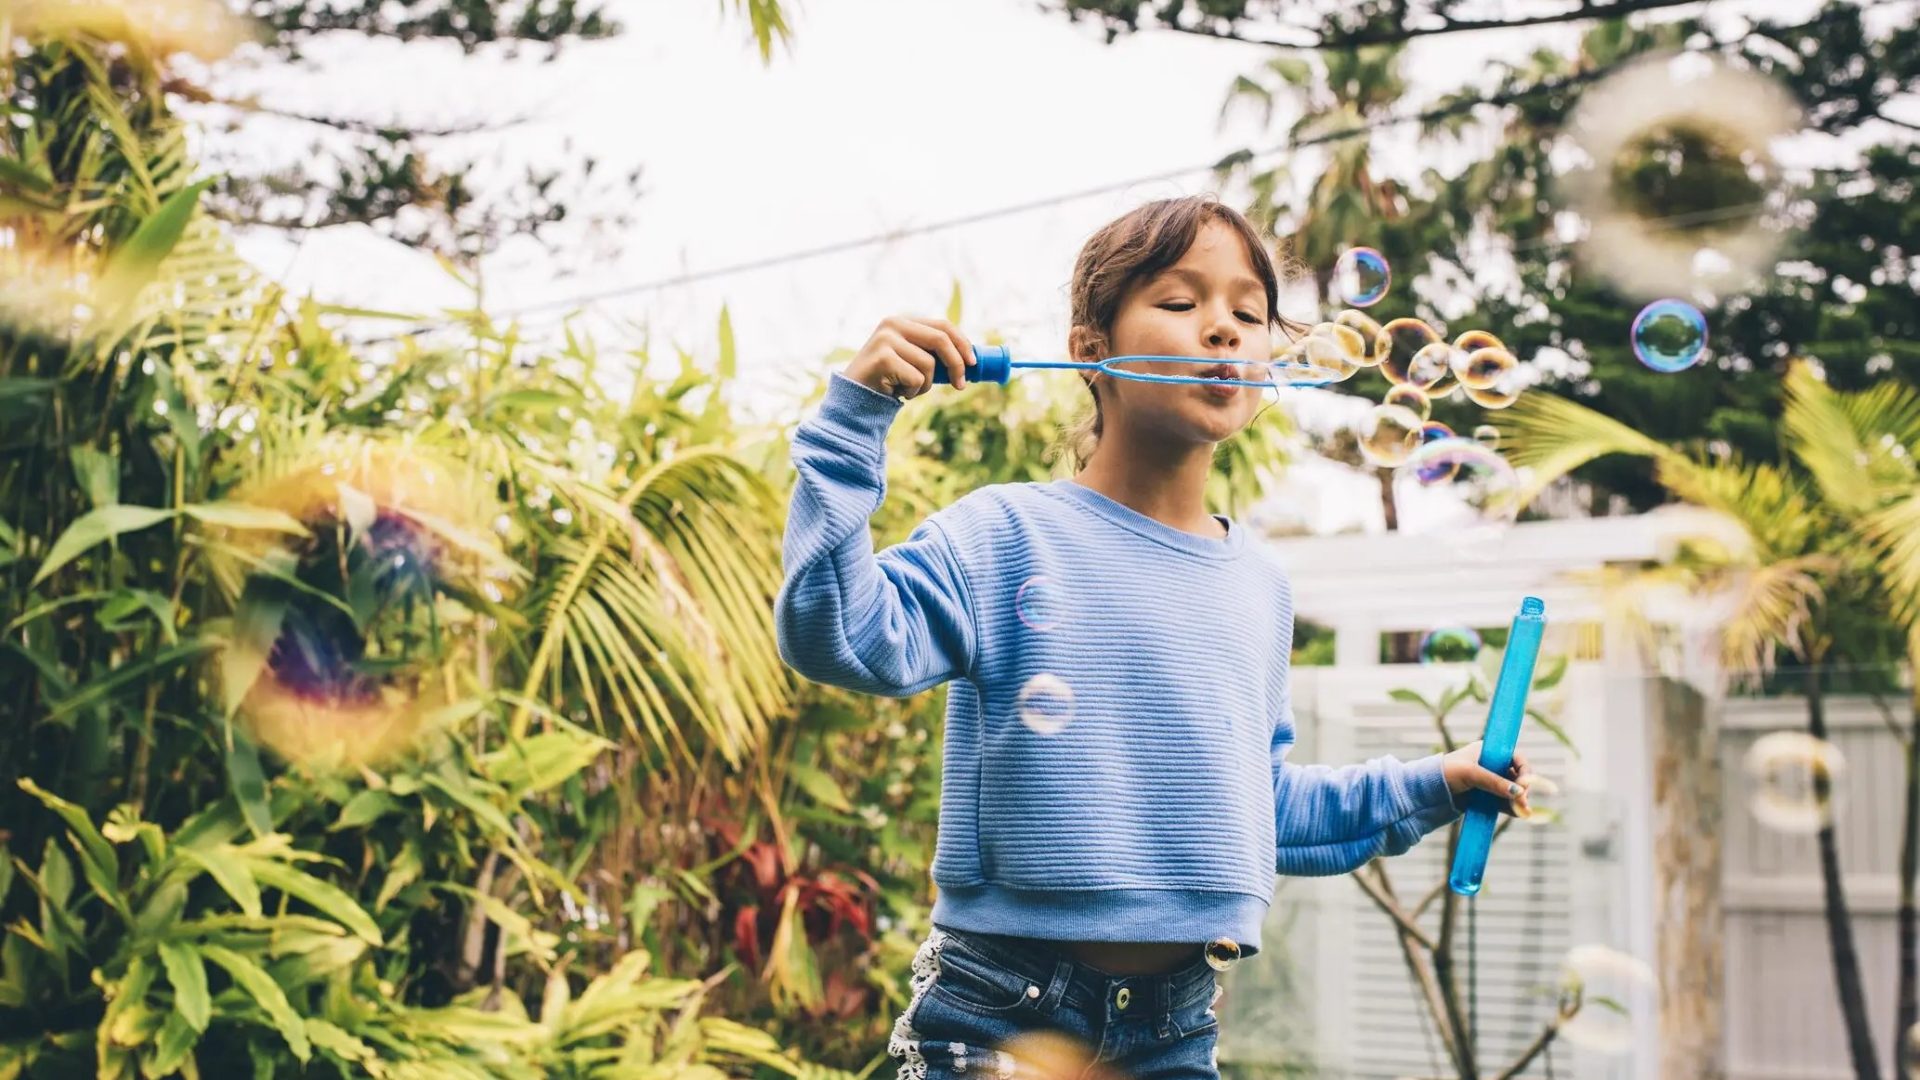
991	363
1496	750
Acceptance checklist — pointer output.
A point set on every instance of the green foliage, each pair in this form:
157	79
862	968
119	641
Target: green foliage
211	506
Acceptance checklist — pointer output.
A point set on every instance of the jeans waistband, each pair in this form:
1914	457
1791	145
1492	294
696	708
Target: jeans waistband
1040	960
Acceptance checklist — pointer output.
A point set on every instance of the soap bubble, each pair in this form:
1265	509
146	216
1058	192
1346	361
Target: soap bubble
1606	981
1046	704
1794	775
1177	370
1037	603
1502	392
1488	436
1411	398
1450	645
202	28
1457	487
1323	352
1349	340
1388	434
1430	365
1375	348
1669	335
1361	277
1221	953
1401	339
1682	163
1042	1055
1434	431
1474	340
1480	368
1310	362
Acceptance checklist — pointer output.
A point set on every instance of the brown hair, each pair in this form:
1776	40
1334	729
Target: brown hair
1130	251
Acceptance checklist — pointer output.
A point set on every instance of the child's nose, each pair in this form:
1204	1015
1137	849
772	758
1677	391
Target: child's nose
1223	336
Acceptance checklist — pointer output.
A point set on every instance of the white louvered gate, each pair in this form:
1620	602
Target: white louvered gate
1333	998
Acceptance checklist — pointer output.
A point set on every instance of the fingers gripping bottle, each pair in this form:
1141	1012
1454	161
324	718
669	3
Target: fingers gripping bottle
1509	708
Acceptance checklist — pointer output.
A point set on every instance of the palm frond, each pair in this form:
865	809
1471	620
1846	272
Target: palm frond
1550	437
1894	530
1772	606
661	617
1768	503
1859	448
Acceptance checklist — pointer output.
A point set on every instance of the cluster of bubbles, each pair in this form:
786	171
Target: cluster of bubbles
1422	367
1794	776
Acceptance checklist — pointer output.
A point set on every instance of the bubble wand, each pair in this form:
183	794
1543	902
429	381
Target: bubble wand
994	363
1509	708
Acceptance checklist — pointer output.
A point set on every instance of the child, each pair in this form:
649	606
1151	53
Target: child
1116	798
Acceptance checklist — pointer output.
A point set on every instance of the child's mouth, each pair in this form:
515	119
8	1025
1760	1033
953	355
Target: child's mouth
1222	372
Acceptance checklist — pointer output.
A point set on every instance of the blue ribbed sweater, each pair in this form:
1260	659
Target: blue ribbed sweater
1118	721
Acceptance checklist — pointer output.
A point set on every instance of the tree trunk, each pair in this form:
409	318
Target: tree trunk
1689	909
1387	506
1907	1009
1846	962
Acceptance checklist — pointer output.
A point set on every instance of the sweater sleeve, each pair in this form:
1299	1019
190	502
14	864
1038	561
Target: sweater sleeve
892	623
1332	820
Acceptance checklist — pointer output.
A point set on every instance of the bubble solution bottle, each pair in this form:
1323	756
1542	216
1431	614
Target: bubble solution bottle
1509	708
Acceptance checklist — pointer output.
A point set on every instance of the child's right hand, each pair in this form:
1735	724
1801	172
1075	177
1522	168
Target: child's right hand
898	359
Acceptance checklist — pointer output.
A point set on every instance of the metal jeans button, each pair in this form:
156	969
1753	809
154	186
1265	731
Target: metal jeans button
1121	999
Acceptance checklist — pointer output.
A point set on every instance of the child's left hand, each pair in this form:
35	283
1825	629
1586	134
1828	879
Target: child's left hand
1463	772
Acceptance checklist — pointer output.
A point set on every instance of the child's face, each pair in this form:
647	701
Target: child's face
1210	304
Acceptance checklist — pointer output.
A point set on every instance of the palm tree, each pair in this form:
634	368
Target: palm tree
1346	205
1861	450
1843	522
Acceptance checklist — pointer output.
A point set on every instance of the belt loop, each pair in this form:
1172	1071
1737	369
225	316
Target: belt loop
1057	987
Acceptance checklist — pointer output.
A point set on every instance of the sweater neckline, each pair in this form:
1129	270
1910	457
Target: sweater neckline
1134	521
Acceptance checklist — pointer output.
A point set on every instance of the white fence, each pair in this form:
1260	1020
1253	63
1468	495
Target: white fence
1736	929
1331	996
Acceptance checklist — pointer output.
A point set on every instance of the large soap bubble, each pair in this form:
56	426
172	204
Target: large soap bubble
1669	335
1683	177
1361	277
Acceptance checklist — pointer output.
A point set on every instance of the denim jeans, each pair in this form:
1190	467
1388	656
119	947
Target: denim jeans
972	993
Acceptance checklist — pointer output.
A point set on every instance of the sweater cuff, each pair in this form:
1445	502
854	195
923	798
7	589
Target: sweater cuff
857	412
1432	803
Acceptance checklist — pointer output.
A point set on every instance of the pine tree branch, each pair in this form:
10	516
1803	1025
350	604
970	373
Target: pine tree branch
1396	34
1399	33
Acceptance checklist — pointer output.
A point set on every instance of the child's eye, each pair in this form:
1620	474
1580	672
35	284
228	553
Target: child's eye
1248	317
1176	305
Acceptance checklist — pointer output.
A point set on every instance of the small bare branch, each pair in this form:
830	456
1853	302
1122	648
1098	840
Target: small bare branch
1532	1051
1386	903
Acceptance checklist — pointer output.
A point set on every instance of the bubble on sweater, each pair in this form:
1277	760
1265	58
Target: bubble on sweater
1046	704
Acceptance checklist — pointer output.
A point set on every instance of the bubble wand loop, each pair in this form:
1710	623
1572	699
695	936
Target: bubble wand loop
1509	708
994	363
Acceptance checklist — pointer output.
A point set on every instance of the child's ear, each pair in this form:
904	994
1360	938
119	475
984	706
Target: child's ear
1087	345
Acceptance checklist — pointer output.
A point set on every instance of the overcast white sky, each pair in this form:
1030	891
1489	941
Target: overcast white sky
883	115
